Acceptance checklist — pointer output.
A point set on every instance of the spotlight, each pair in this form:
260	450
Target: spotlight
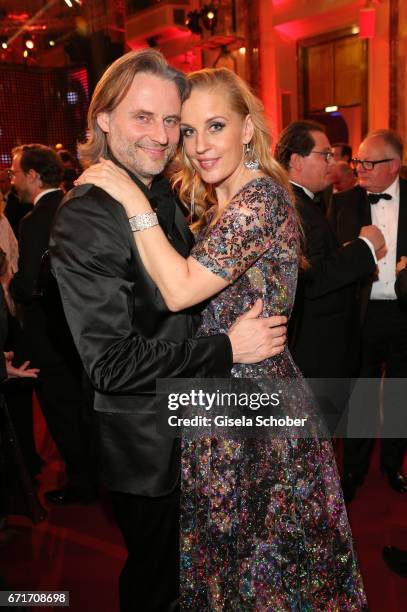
192	22
29	42
209	16
51	41
206	17
3	43
70	3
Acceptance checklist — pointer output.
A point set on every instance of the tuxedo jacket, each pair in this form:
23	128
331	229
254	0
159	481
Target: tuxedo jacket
3	336
15	210
125	334
35	229
401	287
322	326
350	210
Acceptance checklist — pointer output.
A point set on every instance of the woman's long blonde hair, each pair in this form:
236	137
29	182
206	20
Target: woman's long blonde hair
187	181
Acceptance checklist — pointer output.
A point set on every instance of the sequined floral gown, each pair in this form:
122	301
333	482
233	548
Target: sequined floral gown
263	523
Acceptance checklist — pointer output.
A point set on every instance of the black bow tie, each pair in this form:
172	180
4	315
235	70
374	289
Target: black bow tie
375	197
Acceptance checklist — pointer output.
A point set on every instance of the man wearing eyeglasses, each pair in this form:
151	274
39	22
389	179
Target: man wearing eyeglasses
14	209
321	330
380	198
36	175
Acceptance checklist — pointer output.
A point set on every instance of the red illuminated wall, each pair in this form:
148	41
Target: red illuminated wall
40	105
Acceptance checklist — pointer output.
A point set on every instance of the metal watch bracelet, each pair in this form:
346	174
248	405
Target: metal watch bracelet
144	221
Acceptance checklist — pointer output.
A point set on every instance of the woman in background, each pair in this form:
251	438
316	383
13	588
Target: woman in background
9	245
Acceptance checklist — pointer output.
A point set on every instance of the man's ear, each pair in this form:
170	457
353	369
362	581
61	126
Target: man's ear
395	164
296	161
248	130
103	122
33	175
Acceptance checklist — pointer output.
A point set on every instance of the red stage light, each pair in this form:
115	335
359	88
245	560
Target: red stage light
18	16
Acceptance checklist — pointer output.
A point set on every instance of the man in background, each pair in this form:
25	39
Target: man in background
324	319
343	177
380	198
342	151
37	173
14	210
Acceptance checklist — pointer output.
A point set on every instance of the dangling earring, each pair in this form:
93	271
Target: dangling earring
250	163
192	203
192	200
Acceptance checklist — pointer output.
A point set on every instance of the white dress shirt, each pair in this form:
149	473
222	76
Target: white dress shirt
44	192
385	216
307	191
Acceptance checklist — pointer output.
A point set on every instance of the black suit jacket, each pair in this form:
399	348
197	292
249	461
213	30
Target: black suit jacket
15	210
125	335
401	287
350	210
3	336
322	328
35	229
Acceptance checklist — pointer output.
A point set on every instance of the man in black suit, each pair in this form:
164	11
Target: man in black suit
37	173
381	198
321	331
125	335
396	558
14	210
401	280
18	393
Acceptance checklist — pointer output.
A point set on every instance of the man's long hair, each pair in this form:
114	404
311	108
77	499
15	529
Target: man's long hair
113	87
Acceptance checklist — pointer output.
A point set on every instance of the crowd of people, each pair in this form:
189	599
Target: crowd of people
296	267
